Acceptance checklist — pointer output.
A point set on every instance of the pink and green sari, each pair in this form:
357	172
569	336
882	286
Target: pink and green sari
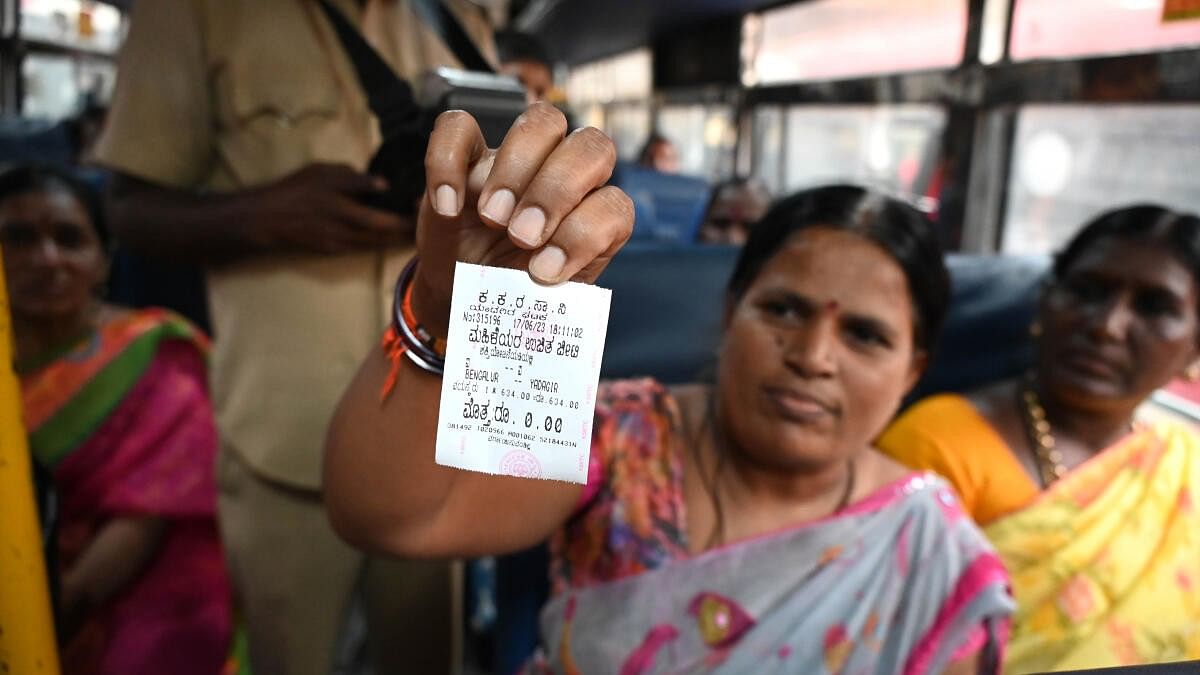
899	582
123	420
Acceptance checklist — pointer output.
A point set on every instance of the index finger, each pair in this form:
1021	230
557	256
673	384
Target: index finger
455	144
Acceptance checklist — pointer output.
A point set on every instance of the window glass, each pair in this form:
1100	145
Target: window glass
56	85
1066	28
1072	162
72	23
832	39
880	146
628	124
50	87
624	77
703	135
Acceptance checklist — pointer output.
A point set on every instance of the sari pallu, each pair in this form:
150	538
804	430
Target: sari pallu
1106	563
123	420
901	582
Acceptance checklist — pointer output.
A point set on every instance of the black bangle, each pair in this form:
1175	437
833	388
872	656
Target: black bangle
419	343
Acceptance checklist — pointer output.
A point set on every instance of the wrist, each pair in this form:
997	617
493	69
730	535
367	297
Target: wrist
251	214
432	308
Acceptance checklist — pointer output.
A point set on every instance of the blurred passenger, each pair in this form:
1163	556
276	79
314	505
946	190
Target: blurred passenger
87	125
523	57
1093	508
659	153
240	134
721	525
116	405
735	206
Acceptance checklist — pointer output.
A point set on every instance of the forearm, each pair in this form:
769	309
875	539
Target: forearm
385	492
184	226
119	552
383	488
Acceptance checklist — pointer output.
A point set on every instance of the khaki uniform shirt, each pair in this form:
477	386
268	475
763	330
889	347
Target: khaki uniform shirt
223	95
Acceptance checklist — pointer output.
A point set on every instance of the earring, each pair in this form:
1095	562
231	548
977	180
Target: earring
1192	374
1035	329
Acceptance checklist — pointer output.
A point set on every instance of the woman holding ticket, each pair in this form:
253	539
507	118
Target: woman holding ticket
747	526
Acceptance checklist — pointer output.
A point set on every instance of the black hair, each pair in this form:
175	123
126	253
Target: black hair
514	45
893	225
28	178
747	182
1178	233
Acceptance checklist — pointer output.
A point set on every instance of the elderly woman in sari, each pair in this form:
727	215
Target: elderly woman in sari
1093	508
116	406
746	526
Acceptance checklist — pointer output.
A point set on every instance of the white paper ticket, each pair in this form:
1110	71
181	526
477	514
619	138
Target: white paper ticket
522	366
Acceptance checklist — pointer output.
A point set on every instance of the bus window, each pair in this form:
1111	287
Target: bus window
69	46
831	39
55	84
1066	28
88	26
704	135
884	146
1071	162
50	87
629	125
613	95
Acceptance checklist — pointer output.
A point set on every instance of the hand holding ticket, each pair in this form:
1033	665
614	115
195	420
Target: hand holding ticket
538	203
518	388
522	365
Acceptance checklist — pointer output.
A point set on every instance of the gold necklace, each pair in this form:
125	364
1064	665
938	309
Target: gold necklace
1041	437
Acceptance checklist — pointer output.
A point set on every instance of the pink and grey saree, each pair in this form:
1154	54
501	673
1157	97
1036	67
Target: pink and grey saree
899	582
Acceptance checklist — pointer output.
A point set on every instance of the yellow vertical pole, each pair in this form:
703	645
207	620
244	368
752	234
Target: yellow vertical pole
26	622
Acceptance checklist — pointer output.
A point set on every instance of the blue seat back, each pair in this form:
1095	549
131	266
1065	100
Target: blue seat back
668	208
668	303
34	140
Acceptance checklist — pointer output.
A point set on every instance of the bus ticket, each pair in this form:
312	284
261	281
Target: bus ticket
522	366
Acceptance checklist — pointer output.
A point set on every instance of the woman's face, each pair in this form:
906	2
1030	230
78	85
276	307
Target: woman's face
664	158
52	257
818	352
1118	325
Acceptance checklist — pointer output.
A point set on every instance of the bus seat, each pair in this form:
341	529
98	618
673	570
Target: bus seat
668	208
666	310
35	140
986	334
668	300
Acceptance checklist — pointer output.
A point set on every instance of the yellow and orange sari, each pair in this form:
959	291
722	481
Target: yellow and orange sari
1106	562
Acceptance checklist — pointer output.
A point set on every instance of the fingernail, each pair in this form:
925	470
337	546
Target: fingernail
548	263
499	206
528	225
445	201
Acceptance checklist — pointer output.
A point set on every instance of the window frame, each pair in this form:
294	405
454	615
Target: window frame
982	101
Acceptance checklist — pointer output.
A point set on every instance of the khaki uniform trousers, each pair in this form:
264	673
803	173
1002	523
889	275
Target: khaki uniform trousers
296	581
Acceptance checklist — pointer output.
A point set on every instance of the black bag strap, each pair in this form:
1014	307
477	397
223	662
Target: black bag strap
447	26
388	95
376	75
